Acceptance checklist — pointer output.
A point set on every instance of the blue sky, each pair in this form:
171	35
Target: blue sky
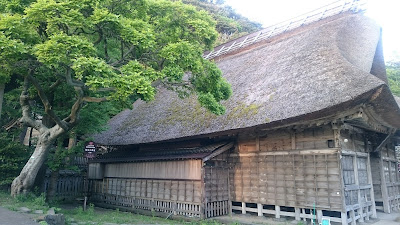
269	12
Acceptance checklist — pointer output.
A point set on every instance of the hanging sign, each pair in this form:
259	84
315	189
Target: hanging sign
90	150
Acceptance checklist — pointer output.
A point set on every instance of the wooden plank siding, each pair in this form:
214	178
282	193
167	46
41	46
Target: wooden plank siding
174	187
184	169
165	186
386	178
180	197
282	169
216	186
316	172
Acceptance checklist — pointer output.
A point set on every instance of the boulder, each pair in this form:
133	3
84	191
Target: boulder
38	212
25	210
51	212
56	219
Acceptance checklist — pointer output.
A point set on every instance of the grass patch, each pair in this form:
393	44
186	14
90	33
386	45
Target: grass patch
30	200
91	216
101	216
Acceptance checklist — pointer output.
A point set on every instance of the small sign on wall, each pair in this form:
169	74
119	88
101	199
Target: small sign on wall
90	150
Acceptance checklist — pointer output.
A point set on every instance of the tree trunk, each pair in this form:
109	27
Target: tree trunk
2	86
24	182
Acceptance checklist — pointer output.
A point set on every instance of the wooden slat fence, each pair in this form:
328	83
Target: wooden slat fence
69	185
175	197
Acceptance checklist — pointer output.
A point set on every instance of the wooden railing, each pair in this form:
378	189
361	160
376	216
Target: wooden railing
313	16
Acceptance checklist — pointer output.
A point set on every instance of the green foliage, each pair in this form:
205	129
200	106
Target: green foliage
32	201
11	108
105	45
62	49
13	157
230	24
58	156
393	74
92	215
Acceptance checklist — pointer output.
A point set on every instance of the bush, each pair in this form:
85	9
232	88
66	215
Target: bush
13	157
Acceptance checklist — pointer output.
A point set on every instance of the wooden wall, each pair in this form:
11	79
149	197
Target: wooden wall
185	169
386	178
216	186
172	187
286	168
179	197
95	171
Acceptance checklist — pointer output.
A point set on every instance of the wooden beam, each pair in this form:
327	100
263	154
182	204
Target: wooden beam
360	210
373	207
383	143
293	140
218	151
289	152
385	196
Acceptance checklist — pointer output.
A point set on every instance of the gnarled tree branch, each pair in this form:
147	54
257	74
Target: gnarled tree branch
73	83
73	117
46	103
55	84
26	109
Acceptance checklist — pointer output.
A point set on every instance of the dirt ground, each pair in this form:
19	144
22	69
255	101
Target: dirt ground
8	217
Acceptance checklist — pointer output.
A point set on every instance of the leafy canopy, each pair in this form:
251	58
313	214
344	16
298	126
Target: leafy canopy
393	74
115	50
229	23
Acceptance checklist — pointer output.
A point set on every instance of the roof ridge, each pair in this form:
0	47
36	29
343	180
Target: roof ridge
326	11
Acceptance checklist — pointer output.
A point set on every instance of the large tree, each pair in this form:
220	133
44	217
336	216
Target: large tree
71	52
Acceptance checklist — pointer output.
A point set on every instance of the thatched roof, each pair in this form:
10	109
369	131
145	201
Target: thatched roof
308	73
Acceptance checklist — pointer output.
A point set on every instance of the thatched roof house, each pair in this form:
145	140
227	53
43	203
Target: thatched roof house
311	72
310	116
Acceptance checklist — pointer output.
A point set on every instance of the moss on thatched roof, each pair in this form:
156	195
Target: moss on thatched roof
316	70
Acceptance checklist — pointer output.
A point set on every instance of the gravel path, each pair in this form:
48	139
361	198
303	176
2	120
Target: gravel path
8	217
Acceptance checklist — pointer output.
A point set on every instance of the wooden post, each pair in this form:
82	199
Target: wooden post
353	217
319	215
258	143
229	195
293	139
259	209
277	211
373	206
203	209
385	196
297	213
243	207
343	216
357	182
303	212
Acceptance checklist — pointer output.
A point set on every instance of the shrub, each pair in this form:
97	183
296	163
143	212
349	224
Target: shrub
13	157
